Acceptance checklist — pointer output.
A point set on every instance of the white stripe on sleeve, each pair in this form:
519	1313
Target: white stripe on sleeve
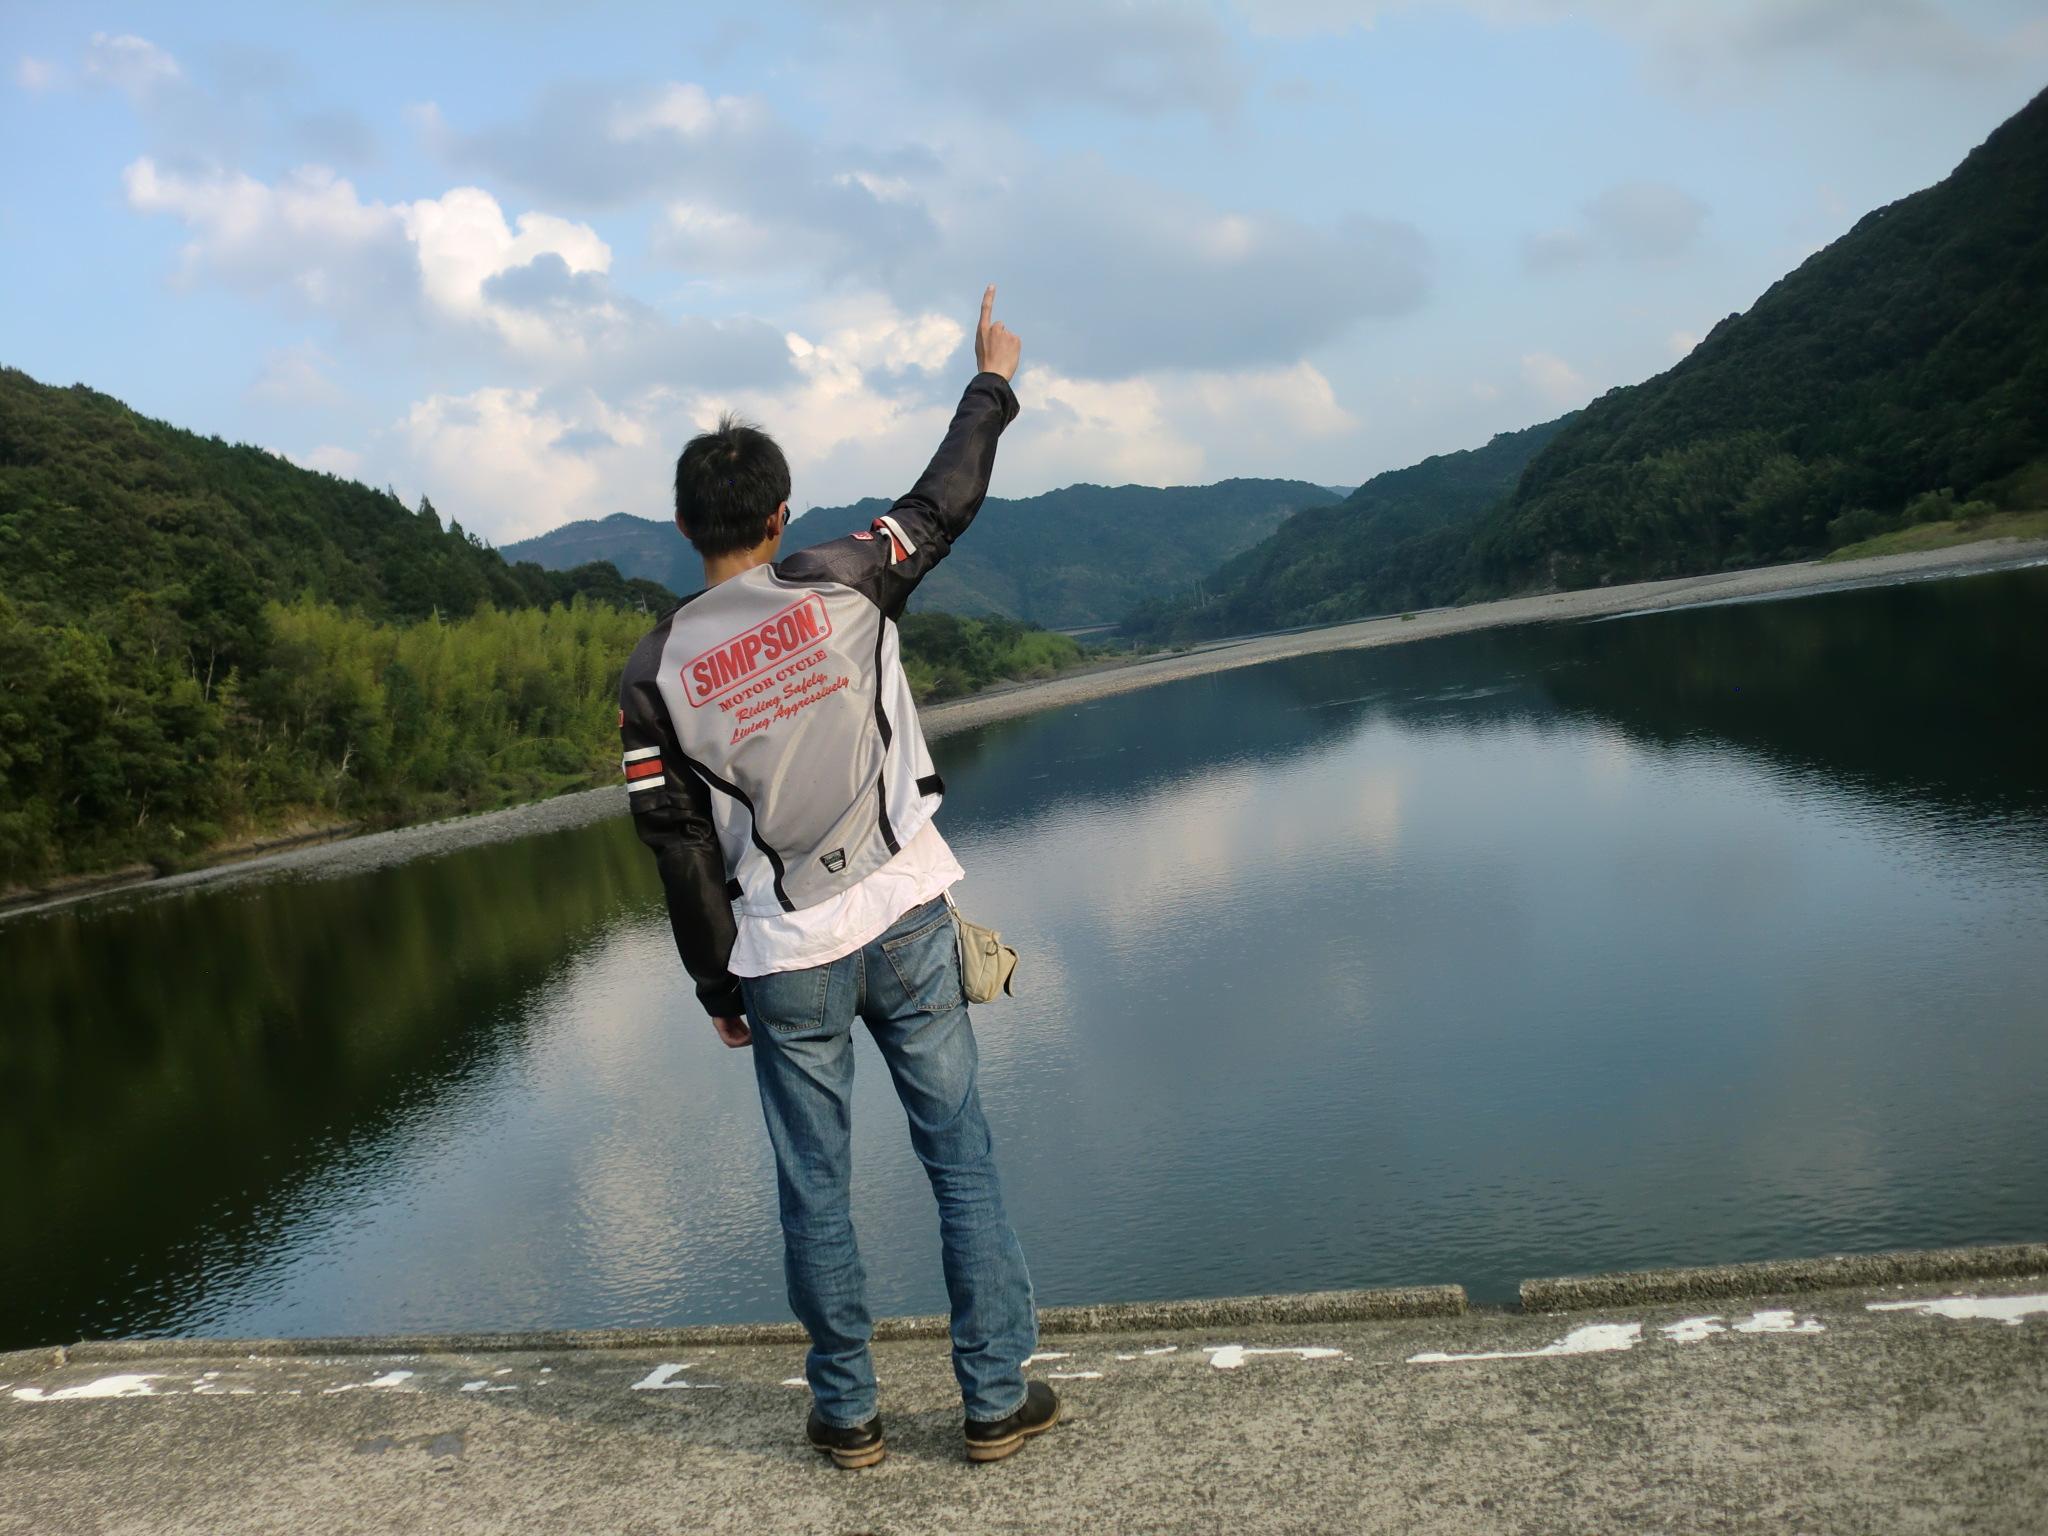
902	538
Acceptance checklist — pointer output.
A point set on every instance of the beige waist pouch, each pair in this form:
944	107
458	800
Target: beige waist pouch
987	965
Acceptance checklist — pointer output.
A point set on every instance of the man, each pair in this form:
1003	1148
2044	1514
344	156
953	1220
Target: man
775	765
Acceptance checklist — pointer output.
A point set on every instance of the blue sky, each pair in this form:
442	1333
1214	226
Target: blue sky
513	255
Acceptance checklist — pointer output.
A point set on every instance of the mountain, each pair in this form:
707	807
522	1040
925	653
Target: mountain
1908	356
1396	542
201	642
98	503
1078	556
634	546
1902	368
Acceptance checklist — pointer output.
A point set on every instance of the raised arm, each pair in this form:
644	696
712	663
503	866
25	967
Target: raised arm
888	560
926	519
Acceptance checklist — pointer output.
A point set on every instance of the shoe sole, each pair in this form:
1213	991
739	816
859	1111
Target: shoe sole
852	1461
996	1450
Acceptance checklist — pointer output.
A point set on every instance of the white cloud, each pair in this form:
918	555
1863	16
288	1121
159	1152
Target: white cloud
297	376
462	241
132	65
1145	57
534	289
700	237
509	462
1171	427
491	460
866	399
686	109
1110	431
344	462
36	75
1646	221
1681	343
1130	275
1726	44
1553	379
308	233
1123	276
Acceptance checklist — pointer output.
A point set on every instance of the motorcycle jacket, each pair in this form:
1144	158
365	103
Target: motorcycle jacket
772	752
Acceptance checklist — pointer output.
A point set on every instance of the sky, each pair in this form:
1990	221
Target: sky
512	256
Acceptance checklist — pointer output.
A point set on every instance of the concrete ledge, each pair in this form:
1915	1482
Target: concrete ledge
1565	1294
1722	1281
1308	1307
1121	1317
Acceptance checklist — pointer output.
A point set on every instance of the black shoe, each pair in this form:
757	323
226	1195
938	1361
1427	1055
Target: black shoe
998	1438
858	1445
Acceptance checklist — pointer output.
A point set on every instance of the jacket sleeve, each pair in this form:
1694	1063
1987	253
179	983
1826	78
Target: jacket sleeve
921	527
672	813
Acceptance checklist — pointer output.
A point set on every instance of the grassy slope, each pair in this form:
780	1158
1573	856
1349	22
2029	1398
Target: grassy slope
1946	535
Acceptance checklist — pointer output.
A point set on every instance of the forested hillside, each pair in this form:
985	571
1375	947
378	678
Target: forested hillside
1401	540
1909	356
1899	375
201	642
1084	554
98	504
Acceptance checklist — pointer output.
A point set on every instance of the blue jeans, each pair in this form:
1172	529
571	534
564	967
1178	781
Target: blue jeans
906	985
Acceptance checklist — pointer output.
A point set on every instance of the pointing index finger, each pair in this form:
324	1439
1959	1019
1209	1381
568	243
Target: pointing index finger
988	304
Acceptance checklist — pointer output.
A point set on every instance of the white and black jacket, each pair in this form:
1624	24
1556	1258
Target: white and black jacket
772	751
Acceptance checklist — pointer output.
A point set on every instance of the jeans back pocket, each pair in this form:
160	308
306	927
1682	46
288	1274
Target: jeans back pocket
788	1002
927	965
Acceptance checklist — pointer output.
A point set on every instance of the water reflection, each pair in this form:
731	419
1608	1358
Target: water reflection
1700	936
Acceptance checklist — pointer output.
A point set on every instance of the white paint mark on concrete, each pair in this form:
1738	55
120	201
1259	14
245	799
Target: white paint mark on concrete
795	1381
1593	1339
1228	1357
1777	1322
507	1371
1127	1357
1690	1330
1075	1375
662	1379
2003	1309
128	1385
388	1379
1164	1349
1050	1354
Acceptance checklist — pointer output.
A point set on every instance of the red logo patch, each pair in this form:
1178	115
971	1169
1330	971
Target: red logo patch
755	649
863	535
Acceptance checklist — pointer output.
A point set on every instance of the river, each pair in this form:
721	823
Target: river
1707	935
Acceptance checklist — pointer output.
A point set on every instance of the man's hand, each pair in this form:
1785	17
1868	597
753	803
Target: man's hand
996	347
733	1032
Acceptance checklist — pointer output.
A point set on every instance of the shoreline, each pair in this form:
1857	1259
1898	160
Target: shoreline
1802	579
376	850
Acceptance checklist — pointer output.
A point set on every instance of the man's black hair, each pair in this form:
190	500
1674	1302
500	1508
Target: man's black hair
729	482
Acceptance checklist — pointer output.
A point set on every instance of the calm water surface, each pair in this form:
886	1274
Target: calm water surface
1691	937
